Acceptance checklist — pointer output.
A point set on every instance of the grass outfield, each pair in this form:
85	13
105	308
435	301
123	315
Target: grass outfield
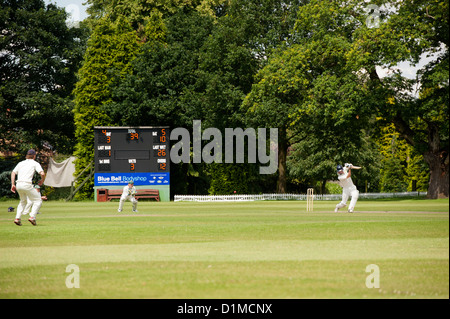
259	250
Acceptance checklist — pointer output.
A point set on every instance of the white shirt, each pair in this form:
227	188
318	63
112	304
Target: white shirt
345	182
128	191
25	170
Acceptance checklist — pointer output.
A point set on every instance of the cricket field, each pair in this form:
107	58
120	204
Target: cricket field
222	250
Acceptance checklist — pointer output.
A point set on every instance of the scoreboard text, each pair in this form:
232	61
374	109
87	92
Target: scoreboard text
132	152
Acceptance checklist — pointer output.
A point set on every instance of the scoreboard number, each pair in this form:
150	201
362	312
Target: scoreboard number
131	149
132	162
132	135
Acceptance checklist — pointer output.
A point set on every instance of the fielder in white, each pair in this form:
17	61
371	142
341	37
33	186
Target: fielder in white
129	193
348	188
30	203
24	172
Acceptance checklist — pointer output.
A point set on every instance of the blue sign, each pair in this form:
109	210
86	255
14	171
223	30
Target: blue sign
122	179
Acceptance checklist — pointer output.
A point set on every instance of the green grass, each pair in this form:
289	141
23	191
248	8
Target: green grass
242	250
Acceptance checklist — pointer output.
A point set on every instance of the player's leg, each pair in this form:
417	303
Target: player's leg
21	189
121	201
35	198
22	205
343	202
355	195
20	208
27	208
134	203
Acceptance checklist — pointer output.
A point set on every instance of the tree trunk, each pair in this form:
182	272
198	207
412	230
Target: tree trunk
282	153
438	163
437	160
323	187
436	157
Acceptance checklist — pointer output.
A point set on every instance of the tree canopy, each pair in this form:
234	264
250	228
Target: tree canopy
328	80
39	56
324	73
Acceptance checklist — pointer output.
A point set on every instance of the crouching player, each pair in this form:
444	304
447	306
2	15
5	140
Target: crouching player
348	188
129	193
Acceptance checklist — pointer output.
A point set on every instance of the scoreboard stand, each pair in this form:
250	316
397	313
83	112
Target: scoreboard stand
140	154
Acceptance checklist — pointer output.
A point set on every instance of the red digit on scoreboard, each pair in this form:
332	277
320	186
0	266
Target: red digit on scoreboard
161	152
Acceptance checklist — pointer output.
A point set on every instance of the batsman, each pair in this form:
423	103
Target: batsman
348	188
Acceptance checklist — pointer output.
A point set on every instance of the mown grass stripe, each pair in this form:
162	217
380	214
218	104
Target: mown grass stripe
240	250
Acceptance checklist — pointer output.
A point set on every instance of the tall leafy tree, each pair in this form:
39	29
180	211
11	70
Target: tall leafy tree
111	48
164	83
165	86
411	173
203	70
342	82
394	153
39	57
119	29
308	92
246	34
409	30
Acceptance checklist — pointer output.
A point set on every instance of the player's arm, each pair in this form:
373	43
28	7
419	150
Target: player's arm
351	166
13	182
42	178
349	174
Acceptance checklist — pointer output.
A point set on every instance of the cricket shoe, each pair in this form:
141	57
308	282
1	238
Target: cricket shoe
119	210
32	221
336	210
17	222
350	210
135	211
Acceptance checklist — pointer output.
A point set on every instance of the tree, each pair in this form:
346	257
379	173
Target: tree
307	91
163	86
417	173
120	29
409	30
202	71
39	57
246	33
331	73
111	48
394	160
402	168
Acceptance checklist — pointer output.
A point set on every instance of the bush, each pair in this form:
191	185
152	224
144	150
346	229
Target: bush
6	167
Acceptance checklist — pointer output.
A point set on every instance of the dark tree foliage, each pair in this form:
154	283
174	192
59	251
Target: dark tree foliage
39	56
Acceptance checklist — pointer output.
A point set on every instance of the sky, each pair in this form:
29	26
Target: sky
74	7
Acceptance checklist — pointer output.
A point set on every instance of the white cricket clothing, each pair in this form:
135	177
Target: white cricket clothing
348	189
344	182
27	208
128	194
25	171
127	191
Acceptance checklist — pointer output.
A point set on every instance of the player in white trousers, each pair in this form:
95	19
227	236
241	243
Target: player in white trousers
24	172
348	188
129	193
30	203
